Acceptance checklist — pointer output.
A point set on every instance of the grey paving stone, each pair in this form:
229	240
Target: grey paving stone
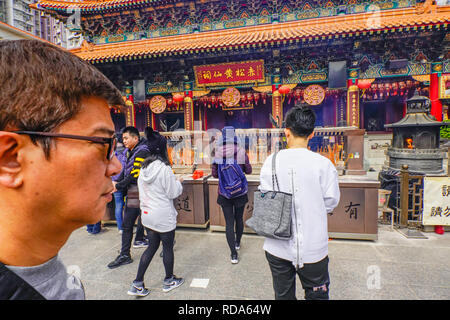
408	269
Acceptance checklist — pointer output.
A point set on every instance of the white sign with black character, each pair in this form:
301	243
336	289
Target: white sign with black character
436	201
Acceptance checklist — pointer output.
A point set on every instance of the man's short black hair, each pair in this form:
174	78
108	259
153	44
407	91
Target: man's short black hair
132	131
301	121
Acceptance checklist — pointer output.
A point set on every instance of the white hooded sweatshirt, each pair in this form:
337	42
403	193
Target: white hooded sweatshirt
158	187
316	193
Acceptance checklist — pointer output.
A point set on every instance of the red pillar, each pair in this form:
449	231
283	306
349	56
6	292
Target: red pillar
436	104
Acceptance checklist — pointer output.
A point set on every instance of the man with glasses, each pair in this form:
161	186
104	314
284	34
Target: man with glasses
56	162
137	151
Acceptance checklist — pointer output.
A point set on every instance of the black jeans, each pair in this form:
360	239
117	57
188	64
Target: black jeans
129	219
154	238
313	276
233	218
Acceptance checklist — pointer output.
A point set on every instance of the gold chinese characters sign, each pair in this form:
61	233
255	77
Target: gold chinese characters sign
353	106
314	95
230	73
231	97
158	104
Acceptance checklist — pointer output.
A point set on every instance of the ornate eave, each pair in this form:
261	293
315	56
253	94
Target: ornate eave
90	6
346	26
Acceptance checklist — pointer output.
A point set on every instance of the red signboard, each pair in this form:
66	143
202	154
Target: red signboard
230	73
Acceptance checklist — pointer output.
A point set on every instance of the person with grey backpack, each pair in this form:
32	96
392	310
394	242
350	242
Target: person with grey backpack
312	180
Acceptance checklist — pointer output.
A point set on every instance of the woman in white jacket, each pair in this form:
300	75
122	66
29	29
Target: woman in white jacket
158	187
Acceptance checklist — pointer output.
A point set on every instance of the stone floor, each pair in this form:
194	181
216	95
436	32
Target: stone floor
393	267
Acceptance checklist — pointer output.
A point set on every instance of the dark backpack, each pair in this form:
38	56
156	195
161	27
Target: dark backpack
232	180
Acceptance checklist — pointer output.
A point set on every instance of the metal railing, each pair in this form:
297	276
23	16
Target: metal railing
411	198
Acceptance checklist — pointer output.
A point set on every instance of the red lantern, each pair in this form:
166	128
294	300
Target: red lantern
297	94
264	97
364	84
178	98
394	88
284	89
256	96
243	100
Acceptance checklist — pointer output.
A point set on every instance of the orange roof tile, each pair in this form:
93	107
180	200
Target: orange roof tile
313	28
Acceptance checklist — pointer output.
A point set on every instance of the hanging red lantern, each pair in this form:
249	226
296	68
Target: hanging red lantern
402	88
169	102
284	89
256	96
409	84
250	97
364	84
264	97
297	94
214	100
394	88
178	98
243	100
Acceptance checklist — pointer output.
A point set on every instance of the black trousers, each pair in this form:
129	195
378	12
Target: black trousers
154	238
314	278
234	225
129	219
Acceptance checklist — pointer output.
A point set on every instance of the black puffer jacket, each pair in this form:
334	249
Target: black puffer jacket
13	287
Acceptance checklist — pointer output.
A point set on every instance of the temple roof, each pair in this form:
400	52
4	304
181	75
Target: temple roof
92	5
287	32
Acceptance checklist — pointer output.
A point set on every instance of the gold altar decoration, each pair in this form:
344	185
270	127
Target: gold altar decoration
314	95
158	104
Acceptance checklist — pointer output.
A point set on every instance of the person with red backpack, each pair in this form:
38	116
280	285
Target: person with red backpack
230	165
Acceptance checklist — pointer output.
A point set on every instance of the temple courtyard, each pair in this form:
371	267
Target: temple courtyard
391	268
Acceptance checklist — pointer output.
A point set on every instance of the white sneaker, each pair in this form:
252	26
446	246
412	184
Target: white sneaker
234	259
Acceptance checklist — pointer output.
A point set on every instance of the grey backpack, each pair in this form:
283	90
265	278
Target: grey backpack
271	216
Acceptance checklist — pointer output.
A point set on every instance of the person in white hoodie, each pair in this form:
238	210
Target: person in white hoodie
313	181
158	187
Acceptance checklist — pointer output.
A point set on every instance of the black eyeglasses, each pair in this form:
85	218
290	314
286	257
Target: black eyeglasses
111	142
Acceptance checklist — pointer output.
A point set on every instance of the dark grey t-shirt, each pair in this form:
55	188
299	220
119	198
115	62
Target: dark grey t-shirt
51	280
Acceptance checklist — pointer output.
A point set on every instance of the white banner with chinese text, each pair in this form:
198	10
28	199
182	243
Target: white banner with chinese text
436	201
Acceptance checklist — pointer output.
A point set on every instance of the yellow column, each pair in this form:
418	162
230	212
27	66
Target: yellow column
353	106
277	107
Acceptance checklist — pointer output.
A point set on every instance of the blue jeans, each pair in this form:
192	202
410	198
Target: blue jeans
94	228
119	203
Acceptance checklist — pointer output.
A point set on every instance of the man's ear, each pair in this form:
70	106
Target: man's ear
10	167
